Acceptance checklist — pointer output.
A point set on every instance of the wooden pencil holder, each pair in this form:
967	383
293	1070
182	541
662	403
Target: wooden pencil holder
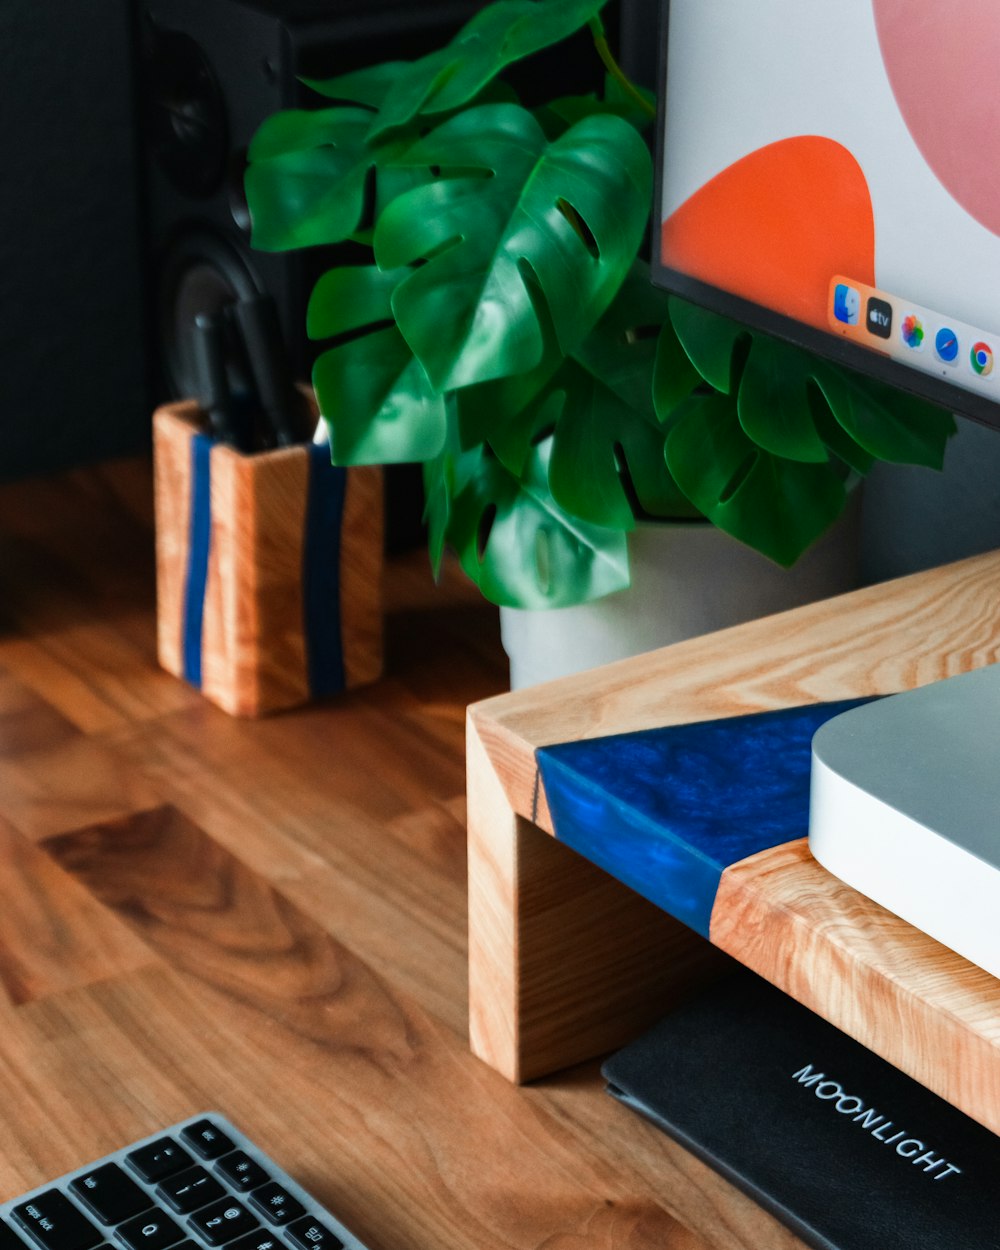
268	568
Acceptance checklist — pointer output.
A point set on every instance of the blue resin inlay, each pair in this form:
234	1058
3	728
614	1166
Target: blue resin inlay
321	606
199	543
666	811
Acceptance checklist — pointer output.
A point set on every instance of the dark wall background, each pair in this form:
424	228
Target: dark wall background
72	364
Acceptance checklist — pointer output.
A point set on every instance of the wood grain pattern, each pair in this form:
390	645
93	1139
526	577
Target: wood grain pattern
254	650
99	571
68	784
75	571
316	1016
253	646
301	824
95	676
362	533
172	464
53	935
900	993
564	961
27	722
877	640
323	852
920	1008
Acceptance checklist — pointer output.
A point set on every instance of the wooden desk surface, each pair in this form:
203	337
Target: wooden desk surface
269	918
566	962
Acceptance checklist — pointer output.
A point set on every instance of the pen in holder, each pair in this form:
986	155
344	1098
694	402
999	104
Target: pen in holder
268	567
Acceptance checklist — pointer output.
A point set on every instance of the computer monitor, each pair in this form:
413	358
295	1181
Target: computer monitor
828	172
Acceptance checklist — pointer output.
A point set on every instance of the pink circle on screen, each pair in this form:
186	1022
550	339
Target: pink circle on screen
943	62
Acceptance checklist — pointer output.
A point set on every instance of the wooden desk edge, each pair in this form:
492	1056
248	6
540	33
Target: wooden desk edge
876	640
566	963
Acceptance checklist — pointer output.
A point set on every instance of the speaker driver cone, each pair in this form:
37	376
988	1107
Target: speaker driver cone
200	273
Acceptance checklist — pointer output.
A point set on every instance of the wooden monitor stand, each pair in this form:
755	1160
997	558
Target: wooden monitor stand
566	962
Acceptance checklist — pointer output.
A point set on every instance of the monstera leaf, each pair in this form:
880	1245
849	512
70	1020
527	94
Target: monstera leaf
494	38
786	397
570	213
607	442
377	401
512	538
308	171
368	86
560	114
883	420
776	505
305	181
607	454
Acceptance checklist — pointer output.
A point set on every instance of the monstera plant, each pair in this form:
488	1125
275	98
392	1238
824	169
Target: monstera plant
497	324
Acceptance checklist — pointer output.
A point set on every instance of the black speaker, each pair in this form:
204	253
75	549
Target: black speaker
211	71
72	370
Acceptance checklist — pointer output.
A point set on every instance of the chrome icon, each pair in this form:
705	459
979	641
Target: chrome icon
981	358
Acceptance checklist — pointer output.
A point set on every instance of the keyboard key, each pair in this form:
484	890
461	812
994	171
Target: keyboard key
189	1190
276	1204
207	1140
9	1240
310	1234
198	1185
109	1194
159	1159
260	1240
53	1220
223	1221
150	1231
241	1171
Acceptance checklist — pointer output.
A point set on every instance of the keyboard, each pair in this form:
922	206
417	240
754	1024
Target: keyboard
198	1185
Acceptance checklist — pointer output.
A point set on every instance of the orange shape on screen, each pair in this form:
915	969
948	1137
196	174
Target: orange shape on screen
777	225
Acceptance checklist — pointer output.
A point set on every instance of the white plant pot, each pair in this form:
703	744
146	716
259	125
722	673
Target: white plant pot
687	579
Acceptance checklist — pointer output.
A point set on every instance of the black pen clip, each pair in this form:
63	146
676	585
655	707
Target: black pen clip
213	380
265	347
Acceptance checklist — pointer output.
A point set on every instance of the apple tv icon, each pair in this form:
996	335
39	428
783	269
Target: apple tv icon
879	317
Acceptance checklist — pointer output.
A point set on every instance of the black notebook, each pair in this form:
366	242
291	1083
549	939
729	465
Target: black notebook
841	1146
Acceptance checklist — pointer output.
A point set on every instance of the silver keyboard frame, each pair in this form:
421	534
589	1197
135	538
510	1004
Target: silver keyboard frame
240	1142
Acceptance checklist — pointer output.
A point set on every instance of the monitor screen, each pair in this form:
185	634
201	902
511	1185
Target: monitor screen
829	172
